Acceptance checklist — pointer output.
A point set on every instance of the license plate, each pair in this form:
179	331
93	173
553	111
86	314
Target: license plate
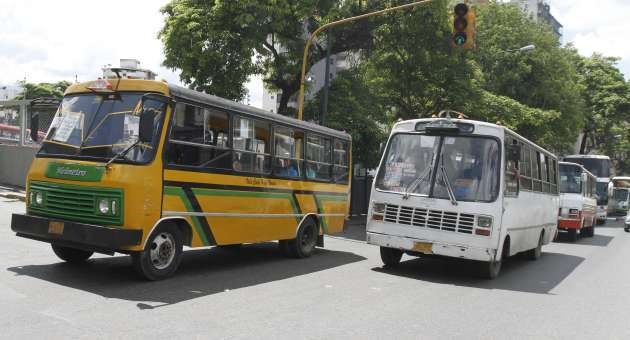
55	227
423	247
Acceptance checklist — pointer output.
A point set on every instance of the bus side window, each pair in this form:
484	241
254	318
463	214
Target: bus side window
544	170
340	161
553	177
251	145
288	156
526	168
511	170
537	180
198	137
318	157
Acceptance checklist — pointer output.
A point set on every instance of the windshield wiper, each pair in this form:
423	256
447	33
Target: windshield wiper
447	182
416	182
122	153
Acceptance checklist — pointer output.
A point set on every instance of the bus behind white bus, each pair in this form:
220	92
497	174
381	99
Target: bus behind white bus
464	189
578	205
598	165
619	202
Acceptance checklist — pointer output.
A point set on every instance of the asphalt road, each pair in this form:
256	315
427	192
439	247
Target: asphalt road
574	291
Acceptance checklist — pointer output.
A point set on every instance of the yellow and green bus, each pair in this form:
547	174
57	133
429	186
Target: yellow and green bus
144	168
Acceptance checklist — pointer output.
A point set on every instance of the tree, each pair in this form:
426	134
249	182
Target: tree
356	108
48	90
607	97
544	81
414	68
218	44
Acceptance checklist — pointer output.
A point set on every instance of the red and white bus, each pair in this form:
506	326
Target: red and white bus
578	205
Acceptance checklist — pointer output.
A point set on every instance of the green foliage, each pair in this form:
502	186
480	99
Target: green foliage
414	68
544	81
607	97
48	90
354	107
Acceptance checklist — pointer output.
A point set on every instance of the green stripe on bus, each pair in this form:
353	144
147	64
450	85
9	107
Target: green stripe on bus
256	194
179	192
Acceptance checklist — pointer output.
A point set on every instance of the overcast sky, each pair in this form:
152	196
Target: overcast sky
45	41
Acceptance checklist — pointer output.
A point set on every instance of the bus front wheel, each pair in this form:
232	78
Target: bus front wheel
491	269
161	255
71	255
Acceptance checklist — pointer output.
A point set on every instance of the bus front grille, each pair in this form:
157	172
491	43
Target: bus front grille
76	203
428	218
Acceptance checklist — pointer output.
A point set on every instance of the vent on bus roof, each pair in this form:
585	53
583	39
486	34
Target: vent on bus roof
427	218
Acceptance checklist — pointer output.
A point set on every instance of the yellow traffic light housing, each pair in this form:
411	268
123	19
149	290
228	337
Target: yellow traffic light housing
463	27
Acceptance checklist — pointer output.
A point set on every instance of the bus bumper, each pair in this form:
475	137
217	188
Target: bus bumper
569	223
74	234
428	247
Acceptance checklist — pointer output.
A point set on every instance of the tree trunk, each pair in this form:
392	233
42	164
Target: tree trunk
583	142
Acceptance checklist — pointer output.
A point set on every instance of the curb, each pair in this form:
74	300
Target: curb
11	195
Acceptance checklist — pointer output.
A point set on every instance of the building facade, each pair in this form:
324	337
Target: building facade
540	11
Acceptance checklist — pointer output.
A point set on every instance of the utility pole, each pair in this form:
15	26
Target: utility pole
322	119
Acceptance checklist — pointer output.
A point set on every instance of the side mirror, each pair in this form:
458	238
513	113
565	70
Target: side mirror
513	153
381	148
34	127
145	126
151	103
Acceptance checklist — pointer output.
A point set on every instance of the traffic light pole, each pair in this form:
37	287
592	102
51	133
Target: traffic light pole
309	42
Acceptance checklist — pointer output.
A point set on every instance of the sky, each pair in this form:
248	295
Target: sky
46	41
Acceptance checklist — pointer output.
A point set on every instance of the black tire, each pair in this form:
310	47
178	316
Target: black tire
71	255
535	253
490	270
391	256
162	253
591	231
626	229
573	235
303	245
601	222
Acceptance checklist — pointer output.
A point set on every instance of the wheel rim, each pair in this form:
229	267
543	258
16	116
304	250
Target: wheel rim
162	250
307	240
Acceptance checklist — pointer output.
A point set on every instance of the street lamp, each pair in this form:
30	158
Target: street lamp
525	48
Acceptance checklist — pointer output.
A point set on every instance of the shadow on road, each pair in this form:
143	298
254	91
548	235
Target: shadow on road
202	272
596	240
516	275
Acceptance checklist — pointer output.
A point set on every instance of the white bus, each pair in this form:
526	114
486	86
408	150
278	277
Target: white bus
620	199
578	205
598	165
453	187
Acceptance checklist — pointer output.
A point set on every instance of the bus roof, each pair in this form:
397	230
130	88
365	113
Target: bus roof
195	96
477	123
124	84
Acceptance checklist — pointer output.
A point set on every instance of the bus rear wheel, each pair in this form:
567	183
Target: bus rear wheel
71	255
303	245
573	235
535	253
161	255
390	256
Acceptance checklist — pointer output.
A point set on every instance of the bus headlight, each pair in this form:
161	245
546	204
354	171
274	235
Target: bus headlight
39	198
484	222
378	209
103	206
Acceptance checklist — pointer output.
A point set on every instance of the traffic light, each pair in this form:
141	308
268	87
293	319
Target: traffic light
463	27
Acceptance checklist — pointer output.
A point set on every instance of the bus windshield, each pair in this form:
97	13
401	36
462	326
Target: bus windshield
600	167
570	179
468	165
621	194
100	126
602	193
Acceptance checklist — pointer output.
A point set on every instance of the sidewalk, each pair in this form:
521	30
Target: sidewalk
12	192
354	228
